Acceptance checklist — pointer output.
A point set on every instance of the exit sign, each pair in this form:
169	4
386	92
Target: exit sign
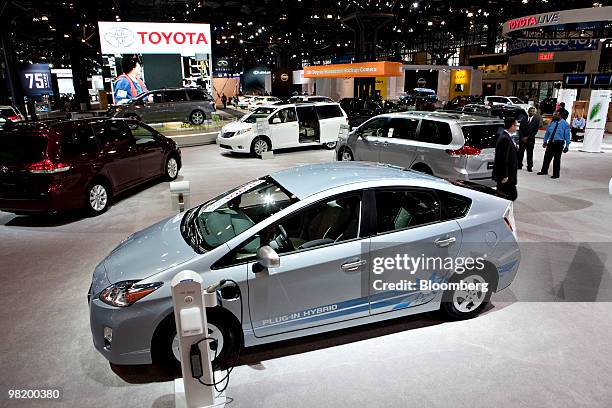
546	56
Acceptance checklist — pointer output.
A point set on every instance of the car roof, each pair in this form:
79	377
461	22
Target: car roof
457	117
304	181
290	105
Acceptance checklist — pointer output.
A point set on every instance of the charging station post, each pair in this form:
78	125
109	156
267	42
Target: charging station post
190	301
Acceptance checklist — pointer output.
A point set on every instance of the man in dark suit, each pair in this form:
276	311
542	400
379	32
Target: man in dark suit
528	130
505	165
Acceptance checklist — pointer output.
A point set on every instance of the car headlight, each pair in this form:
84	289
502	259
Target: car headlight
125	293
243	131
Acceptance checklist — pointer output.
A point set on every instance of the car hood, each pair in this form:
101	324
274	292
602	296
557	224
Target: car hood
148	252
236	126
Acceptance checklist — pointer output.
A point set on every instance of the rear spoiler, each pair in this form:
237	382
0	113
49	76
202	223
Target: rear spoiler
475	186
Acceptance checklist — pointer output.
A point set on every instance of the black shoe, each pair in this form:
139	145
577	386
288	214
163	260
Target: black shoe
555	177
541	173
529	170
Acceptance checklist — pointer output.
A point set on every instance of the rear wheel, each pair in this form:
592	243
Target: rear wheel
464	304
97	198
197	117
330	145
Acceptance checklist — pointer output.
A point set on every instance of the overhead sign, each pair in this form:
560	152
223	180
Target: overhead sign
356	70
36	80
583	17
522	46
154	38
546	56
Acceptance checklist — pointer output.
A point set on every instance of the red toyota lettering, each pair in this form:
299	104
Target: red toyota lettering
157	40
142	36
190	35
201	38
176	38
167	37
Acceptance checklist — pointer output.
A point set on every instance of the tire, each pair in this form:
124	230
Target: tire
330	145
462	305
346	155
259	145
197	117
164	346
97	197
171	168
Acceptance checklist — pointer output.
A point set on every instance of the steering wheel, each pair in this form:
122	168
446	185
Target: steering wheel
285	242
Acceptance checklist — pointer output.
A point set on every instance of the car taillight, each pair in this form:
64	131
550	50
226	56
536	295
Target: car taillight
465	151
509	219
47	167
14	117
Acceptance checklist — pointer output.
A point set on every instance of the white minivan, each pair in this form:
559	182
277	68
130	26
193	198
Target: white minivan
284	126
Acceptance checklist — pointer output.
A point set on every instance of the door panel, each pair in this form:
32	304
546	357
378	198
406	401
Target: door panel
285	133
309	289
149	151
370	137
398	148
119	153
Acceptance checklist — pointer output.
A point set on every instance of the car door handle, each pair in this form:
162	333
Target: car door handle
352	266
444	242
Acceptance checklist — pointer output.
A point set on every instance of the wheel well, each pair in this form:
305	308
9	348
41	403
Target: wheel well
341	150
422	167
491	274
264	137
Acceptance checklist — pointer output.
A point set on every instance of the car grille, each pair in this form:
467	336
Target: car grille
225	147
227	134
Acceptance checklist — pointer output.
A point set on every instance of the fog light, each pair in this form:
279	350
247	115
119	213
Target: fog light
108	337
240	147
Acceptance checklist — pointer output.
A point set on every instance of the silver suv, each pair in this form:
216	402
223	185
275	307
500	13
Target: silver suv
169	105
446	145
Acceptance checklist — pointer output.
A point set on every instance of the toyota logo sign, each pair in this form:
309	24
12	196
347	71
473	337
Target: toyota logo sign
119	37
284	77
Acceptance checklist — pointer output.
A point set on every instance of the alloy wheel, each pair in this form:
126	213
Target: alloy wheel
98	197
346	155
172	168
466	301
197	118
260	146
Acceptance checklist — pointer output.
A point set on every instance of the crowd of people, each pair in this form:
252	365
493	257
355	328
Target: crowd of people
510	151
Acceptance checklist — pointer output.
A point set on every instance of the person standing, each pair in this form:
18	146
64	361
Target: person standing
129	84
556	142
506	159
578	125
528	130
224	101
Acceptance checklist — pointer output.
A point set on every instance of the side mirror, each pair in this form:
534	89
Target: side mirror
266	258
275	121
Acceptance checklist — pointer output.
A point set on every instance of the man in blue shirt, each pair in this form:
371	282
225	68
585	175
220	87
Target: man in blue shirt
129	85
578	125
556	142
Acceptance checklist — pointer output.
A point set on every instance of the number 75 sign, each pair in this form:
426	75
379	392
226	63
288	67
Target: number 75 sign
36	80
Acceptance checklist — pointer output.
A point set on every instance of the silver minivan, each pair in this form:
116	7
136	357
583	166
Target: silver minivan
443	144
187	105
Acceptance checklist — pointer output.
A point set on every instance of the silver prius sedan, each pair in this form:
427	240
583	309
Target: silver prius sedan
313	248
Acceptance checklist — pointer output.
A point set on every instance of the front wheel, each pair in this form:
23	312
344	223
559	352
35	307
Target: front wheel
171	169
223	349
462	304
259	146
346	155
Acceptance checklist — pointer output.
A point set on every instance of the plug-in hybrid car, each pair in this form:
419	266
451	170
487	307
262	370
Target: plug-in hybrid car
303	245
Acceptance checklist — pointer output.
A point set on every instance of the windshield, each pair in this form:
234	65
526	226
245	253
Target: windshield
258	113
217	221
22	148
482	136
515	100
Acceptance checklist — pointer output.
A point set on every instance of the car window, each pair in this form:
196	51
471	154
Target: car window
481	136
497	99
328	111
21	148
175	96
195	95
403	128
320	224
374	128
435	132
151	97
285	115
372	106
454	205
141	134
79	140
516	100
112	132
404	208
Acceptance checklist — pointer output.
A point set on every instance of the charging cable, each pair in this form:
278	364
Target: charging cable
195	356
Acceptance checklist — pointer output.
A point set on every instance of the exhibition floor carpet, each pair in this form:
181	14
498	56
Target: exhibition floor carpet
534	347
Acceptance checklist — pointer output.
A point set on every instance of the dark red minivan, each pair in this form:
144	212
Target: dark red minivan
66	165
